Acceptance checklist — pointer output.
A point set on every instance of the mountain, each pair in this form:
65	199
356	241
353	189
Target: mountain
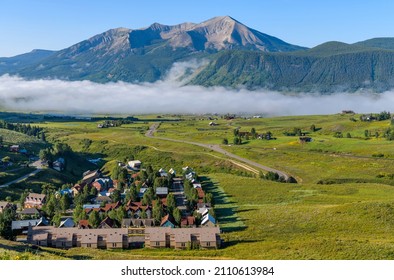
146	54
330	67
380	43
23	60
237	56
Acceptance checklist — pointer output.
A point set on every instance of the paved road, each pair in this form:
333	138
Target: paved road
216	148
36	164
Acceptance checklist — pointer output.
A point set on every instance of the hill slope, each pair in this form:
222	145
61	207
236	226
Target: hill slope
329	67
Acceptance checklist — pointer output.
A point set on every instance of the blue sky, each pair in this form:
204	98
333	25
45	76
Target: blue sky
51	24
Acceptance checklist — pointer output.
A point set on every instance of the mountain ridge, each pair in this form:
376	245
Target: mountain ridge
237	55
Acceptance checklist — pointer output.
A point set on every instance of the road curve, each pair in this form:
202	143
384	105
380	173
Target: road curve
36	164
216	148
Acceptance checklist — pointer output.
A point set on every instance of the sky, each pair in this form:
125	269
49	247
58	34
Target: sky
47	24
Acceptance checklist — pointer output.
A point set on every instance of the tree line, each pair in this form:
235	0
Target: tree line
27	129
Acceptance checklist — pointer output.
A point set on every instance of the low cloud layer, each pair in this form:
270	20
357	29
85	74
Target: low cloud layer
169	96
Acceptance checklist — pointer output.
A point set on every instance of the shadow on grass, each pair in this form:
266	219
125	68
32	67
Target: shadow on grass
225	209
80	257
230	243
17	248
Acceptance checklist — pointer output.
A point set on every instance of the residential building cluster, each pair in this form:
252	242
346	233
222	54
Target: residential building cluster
138	208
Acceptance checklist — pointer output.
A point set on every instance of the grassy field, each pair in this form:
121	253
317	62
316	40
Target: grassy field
341	208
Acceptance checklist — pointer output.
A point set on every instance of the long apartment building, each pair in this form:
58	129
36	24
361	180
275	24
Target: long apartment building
127	237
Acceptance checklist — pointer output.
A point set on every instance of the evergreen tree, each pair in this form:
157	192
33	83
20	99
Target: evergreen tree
94	219
171	204
6	218
56	219
64	203
77	213
177	215
157	212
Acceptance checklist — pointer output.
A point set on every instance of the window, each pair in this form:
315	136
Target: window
157	243
208	244
183	244
88	245
114	245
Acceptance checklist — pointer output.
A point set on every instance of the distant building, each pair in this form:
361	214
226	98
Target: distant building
65	238
14	148
35	200
162	191
59	164
4	205
182	238
134	165
90	176
208	221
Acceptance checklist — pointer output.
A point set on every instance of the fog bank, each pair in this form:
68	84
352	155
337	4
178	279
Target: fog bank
169	96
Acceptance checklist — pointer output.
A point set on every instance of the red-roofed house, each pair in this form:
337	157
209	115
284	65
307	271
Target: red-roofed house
188	221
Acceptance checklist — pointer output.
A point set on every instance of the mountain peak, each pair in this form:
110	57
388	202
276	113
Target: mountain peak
222	18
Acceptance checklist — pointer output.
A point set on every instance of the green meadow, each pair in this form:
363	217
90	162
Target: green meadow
341	208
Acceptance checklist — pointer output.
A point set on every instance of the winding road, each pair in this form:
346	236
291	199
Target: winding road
36	164
152	129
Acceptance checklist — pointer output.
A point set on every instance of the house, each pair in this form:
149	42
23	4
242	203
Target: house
111	206
142	192
208	221
77	188
60	193
190	176
67	223
137	223
203	208
134	209
168	221
172	172
367	118
59	164
102	184
107	223
134	165
90	176
182	238
4	205
188	221
162	191
213	124
32	212
90	206
203	211
196	185
163	172
98	186
21	227
204	205
35	200
102	199
83	224
14	148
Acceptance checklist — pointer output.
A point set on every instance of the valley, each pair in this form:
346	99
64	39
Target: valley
340	205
